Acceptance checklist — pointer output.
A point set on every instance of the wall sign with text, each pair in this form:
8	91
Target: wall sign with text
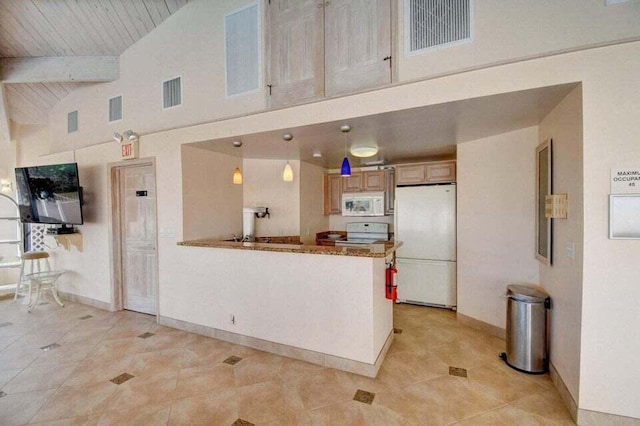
625	181
129	150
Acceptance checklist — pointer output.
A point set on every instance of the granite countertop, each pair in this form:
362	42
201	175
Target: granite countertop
374	250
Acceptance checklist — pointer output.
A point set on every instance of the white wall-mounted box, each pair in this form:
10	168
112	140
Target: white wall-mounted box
624	216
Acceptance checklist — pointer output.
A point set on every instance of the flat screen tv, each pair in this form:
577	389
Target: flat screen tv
50	194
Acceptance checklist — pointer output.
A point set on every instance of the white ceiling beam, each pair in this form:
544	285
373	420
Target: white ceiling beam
5	128
56	69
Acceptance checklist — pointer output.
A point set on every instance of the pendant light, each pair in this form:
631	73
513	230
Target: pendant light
237	174
287	173
345	170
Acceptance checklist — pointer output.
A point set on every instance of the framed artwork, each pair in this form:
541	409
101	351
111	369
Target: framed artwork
544	235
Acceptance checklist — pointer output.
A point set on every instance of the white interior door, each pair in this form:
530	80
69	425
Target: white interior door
426	282
138	238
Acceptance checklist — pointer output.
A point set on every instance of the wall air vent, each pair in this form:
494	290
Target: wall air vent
72	122
242	37
172	93
436	23
115	109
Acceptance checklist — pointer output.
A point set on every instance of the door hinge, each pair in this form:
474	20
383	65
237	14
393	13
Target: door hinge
269	86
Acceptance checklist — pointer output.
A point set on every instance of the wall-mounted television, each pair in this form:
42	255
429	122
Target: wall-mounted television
50	194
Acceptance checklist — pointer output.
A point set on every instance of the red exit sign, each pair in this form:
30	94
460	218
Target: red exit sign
129	150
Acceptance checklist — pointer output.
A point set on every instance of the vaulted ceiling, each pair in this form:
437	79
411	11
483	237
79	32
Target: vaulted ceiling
64	29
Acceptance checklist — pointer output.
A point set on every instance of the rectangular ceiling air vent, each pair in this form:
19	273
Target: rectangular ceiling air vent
72	122
242	50
436	23
115	109
172	93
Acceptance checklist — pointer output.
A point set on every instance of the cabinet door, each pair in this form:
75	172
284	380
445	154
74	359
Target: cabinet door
296	51
352	183
411	175
374	181
357	41
332	194
441	172
390	188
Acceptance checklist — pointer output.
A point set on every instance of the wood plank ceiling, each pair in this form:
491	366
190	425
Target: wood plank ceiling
35	28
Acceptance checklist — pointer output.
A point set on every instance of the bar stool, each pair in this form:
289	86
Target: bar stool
44	281
37	261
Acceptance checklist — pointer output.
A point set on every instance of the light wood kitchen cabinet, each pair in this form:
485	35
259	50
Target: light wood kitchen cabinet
353	183
332	194
414	174
296	51
374	181
441	172
357	45
390	189
319	48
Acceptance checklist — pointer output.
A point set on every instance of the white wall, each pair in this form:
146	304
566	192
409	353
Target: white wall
520	29
496	227
610	342
563	280
263	187
503	32
277	299
312	218
190	44
212	204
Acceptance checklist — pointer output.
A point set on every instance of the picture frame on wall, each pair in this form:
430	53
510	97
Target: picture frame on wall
544	187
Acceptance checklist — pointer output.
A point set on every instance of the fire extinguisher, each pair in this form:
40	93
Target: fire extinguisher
390	282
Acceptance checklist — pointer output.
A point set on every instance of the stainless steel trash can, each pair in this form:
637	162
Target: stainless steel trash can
527	308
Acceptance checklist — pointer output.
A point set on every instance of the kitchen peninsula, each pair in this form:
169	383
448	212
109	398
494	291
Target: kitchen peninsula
324	305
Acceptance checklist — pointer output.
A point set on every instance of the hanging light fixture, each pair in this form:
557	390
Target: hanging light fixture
237	174
287	173
345	170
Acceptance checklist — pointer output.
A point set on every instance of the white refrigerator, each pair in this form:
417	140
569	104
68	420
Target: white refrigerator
425	222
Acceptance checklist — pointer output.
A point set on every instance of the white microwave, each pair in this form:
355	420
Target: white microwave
363	204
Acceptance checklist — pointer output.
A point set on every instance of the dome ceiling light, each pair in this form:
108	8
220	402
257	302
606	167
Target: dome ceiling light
363	151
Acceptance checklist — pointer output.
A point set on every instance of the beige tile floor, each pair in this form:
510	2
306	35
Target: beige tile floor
180	378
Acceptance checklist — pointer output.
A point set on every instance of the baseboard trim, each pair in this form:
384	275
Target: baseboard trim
597	418
563	390
326	360
85	300
491	329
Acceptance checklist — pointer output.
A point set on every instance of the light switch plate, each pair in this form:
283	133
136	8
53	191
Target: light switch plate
571	250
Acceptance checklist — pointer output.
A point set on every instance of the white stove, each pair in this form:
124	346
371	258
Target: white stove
363	233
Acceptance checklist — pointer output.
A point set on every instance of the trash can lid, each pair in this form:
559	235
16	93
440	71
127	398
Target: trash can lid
527	293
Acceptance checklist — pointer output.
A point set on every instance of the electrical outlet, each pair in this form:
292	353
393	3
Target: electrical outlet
232	318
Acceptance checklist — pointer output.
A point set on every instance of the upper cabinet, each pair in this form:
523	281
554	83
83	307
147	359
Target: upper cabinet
416	174
352	183
327	48
390	188
364	181
296	51
357	45
332	194
373	181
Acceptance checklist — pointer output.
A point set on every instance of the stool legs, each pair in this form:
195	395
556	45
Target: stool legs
47	282
54	291
35	300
